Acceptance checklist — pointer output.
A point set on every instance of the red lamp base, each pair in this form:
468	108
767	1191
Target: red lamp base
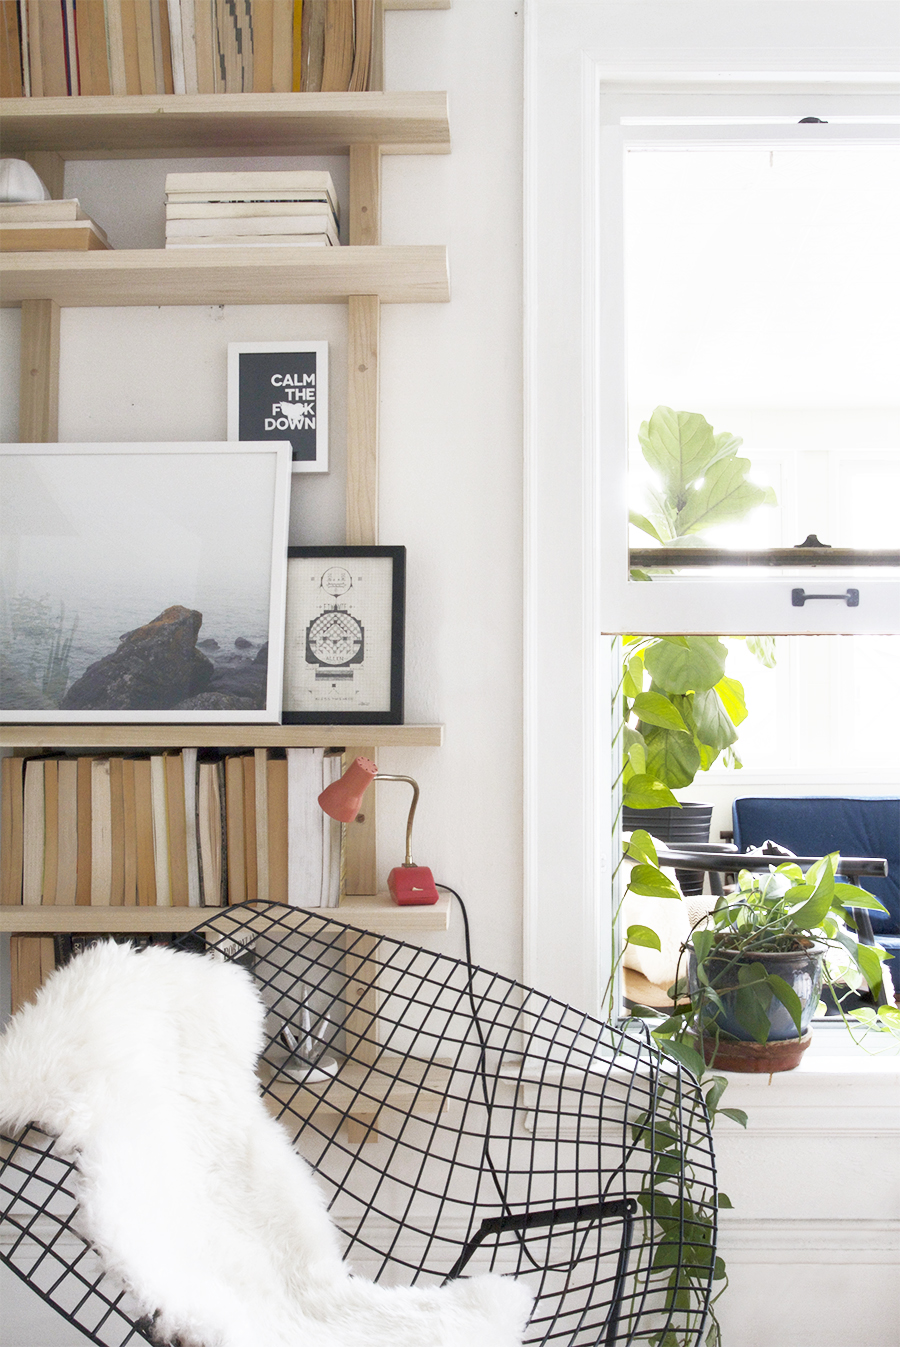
412	886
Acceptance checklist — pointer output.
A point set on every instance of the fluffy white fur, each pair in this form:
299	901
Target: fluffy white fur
143	1064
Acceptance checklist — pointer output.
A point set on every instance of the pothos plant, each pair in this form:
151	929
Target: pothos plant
680	710
775	912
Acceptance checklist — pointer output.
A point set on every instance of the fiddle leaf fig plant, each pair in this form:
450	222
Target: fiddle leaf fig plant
680	709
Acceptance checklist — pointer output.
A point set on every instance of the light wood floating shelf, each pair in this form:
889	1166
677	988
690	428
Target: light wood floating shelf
395	1085
117	737
410	274
175	125
377	913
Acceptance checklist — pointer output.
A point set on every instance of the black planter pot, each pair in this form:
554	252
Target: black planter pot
690	823
801	969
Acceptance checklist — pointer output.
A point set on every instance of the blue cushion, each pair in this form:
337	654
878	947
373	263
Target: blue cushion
812	825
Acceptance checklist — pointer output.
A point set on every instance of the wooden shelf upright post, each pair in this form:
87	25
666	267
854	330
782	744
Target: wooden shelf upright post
363	331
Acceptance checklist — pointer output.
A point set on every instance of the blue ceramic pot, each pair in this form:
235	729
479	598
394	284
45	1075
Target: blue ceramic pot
801	969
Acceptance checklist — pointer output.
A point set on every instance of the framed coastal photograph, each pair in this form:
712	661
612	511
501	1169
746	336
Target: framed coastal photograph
278	390
344	636
143	582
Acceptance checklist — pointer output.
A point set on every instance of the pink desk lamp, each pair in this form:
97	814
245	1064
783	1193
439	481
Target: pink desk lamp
410	885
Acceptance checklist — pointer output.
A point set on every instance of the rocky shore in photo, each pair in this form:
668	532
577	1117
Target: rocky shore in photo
160	667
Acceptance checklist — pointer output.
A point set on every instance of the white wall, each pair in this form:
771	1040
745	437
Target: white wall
451	432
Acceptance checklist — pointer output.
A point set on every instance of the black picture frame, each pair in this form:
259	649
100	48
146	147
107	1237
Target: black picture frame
345	669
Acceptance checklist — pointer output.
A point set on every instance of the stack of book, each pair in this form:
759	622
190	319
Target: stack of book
45	226
60	47
296	209
192	828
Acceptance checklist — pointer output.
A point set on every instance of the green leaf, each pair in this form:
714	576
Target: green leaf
870	967
672	758
715	1092
696	666
751	1005
680	447
712	723
640	847
646	792
642	935
686	1056
810	915
724	1201
788	998
731	693
643	523
634	676
648	881
763	647
851	896
655	709
702	940
719	1270
735	1114
724	496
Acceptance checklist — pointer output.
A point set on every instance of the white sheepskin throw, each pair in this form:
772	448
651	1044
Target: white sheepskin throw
144	1065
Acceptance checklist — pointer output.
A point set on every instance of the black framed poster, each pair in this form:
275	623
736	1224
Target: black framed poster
278	390
344	636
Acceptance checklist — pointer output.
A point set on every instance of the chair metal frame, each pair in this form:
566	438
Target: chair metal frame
473	1124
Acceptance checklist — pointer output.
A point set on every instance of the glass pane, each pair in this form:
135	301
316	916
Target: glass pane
762	292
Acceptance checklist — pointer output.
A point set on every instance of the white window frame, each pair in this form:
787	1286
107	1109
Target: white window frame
574	50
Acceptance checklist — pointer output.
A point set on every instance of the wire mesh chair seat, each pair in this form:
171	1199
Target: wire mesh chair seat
459	1123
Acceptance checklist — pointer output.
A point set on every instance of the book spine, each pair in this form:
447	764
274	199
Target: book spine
11	77
129	830
143	808
11	828
130	47
260	756
176	35
278	829
250	827
32	959
145	54
24	38
117	833
177	826
338	61
67	865
282	46
203	38
189	762
33	833
263	28
83	869
71	48
51	831
101	825
234	808
118	79
188	46
160	831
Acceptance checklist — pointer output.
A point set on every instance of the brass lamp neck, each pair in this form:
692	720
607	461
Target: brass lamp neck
386	776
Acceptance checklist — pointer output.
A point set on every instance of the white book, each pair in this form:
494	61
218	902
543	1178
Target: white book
257	224
189	46
67	859
116	44
176	44
255	241
189	762
259	184
331	838
160	829
37	212
304	827
234	198
243	210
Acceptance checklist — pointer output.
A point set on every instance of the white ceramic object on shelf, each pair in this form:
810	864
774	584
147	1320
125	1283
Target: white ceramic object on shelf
19	182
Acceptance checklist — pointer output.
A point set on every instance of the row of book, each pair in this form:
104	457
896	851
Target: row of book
189	828
44	226
34	957
65	47
295	208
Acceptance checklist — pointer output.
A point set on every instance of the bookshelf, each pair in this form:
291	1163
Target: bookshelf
363	275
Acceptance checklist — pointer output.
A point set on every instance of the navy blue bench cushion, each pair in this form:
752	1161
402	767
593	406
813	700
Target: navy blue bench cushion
812	825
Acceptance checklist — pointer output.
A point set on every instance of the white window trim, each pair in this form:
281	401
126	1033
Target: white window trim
568	675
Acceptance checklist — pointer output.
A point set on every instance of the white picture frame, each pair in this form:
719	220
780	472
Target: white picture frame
279	390
110	554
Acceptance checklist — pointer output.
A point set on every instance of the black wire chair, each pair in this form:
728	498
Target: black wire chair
460	1123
